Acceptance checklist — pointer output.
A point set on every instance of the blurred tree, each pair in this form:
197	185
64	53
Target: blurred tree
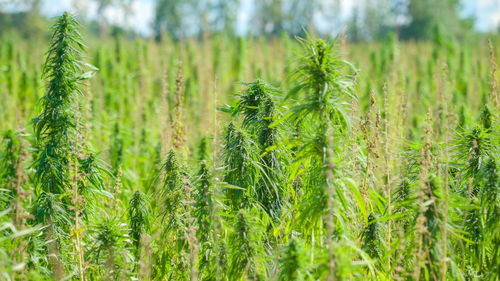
379	18
374	20
220	15
177	18
426	15
181	18
272	17
102	6
81	7
22	16
354	32
102	21
299	15
268	17
167	19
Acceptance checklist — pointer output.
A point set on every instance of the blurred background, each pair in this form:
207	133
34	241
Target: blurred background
359	20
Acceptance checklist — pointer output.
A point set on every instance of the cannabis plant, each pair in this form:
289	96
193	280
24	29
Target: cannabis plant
55	126
372	238
245	249
175	252
240	158
138	214
204	215
258	110
326	87
473	147
60	166
55	129
106	248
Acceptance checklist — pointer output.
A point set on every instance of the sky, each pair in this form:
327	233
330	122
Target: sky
486	12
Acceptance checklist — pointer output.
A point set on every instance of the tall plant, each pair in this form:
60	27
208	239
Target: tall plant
175	210
204	215
257	107
56	162
326	87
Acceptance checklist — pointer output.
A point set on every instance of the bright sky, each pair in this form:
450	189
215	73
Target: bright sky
486	12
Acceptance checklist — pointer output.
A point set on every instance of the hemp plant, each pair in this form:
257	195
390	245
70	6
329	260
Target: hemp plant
245	250
106	248
326	87
56	136
204	215
138	213
239	156
175	215
475	151
258	110
372	238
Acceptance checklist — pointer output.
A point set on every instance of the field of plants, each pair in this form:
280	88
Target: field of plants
233	159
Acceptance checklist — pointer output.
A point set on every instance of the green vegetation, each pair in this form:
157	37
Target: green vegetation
232	159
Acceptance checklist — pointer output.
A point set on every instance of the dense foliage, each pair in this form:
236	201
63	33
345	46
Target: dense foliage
248	159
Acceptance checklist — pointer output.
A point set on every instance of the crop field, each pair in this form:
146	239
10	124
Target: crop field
248	158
